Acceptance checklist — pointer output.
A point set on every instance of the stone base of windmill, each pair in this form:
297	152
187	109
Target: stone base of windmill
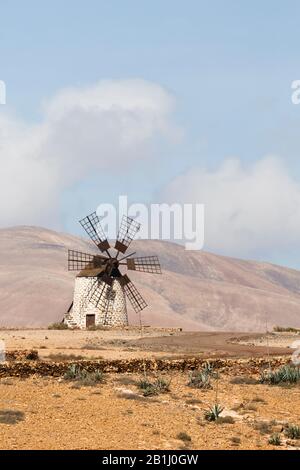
84	314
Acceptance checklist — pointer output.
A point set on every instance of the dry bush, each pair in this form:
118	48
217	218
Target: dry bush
11	416
61	357
58	326
241	380
183	436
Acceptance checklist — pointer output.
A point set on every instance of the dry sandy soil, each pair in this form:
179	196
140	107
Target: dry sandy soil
53	413
133	342
114	415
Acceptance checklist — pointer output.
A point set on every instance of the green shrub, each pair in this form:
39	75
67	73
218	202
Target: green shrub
275	439
58	326
83	376
202	378
199	379
286	374
289	329
292	431
160	385
213	413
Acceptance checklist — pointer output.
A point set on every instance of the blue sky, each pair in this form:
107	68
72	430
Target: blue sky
228	66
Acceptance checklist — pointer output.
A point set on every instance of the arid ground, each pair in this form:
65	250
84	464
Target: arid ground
133	342
46	412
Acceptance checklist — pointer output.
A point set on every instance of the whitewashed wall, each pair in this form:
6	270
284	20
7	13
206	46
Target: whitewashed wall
115	315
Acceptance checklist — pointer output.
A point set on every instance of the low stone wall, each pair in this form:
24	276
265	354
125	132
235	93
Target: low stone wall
57	369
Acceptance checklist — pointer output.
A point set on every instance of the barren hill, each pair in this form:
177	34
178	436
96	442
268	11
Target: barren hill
197	290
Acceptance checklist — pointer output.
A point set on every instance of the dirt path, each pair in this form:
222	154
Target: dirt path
210	343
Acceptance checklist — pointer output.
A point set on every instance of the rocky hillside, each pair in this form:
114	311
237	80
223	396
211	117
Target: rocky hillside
197	290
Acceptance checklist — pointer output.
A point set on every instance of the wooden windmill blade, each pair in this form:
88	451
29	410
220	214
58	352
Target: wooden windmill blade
135	298
92	226
127	231
77	260
101	296
146	264
88	293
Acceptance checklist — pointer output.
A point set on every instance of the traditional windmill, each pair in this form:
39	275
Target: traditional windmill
100	287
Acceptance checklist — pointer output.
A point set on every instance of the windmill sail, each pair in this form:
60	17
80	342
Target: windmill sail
91	225
78	260
101	296
146	264
128	229
135	298
88	293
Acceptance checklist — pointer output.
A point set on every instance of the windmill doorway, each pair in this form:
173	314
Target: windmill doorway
90	320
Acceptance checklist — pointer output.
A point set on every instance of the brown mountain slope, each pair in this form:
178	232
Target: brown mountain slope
198	290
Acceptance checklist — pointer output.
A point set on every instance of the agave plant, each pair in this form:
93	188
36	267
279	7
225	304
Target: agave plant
213	413
160	385
75	372
199	379
285	374
292	431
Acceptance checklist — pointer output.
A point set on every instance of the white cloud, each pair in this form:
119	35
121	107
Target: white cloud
251	210
84	130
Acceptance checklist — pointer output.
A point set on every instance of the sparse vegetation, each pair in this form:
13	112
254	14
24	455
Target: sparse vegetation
264	427
193	401
199	379
240	380
235	440
213	413
250	407
82	376
202	378
64	357
131	396
225	420
183	436
159	385
124	380
258	400
97	327
6	381
275	439
92	347
58	326
292	431
288	373
288	329
11	416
